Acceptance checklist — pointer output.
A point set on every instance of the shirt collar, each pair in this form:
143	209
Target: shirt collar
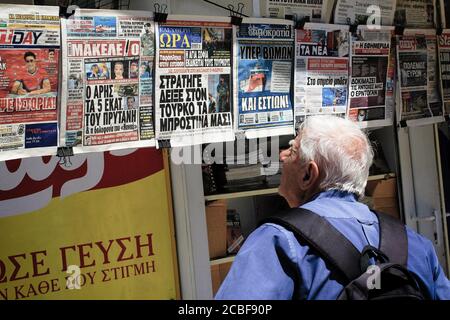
340	204
335	194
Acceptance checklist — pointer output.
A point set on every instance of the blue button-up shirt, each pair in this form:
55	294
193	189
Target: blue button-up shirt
258	273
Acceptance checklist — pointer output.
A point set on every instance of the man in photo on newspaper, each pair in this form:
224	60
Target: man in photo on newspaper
32	80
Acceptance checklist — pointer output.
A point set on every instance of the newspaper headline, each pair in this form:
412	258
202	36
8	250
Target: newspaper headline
321	70
263	62
193	66
108	79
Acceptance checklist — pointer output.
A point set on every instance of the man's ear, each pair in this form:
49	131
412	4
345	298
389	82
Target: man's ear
310	177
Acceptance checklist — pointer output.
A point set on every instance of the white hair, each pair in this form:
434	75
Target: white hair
340	149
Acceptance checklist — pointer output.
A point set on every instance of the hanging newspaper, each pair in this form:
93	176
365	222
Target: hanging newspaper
29	55
107	80
263	53
321	70
193	66
371	100
444	67
365	12
420	102
415	13
315	10
445	13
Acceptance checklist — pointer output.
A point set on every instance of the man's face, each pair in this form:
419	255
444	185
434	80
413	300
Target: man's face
134	67
118	69
130	102
291	172
95	69
31	63
147	29
51	55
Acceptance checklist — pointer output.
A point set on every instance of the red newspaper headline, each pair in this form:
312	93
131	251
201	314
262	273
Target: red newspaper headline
27	104
103	48
327	64
444	40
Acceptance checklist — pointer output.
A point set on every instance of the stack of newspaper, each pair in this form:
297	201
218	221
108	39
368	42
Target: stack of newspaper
245	171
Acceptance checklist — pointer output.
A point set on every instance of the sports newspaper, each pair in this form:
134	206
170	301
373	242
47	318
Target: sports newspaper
263	54
108	59
193	80
29	60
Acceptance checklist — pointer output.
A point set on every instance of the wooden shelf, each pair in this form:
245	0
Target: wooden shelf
242	194
222	260
381	176
251	193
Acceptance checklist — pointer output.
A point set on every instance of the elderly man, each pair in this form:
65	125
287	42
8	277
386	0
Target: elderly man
325	171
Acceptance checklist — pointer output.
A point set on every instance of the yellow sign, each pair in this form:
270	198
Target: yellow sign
112	242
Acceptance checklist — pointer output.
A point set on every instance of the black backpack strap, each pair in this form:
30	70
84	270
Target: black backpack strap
333	247
393	239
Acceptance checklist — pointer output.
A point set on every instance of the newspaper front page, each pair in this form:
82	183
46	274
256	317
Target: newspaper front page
263	53
361	12
108	59
371	83
444	67
420	101
193	81
321	70
315	10
445	13
29	61
415	13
